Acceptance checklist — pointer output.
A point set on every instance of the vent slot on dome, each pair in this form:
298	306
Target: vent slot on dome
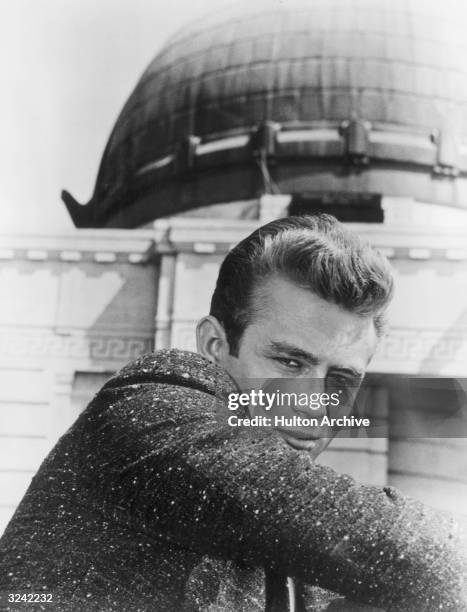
345	206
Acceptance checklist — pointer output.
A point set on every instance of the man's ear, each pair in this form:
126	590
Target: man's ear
211	340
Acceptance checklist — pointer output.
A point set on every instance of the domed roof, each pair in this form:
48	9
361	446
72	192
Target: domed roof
309	86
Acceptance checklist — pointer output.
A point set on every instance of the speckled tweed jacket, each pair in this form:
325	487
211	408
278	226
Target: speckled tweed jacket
151	502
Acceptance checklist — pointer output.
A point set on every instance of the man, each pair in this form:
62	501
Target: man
151	501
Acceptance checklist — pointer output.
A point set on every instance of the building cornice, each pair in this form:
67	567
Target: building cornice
214	236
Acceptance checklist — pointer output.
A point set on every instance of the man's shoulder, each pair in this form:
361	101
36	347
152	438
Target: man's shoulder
166	388
175	367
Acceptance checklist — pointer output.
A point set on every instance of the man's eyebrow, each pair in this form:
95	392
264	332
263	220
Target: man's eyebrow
347	370
294	351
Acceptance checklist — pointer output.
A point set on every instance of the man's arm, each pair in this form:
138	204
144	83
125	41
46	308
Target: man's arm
165	461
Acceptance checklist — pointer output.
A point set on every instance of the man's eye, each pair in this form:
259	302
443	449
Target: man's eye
343	382
338	382
291	364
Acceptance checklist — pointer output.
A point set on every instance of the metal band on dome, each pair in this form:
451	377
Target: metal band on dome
383	145
212	146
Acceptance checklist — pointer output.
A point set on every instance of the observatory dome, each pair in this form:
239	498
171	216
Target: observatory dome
320	96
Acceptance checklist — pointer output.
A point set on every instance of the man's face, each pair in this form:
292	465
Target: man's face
295	334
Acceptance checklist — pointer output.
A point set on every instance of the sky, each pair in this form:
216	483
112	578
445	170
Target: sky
67	67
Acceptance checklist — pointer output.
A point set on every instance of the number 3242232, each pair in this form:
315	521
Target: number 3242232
29	597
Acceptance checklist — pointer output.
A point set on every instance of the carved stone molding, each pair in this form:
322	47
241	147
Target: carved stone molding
44	345
408	344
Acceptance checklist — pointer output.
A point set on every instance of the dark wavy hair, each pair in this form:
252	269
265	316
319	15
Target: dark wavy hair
315	252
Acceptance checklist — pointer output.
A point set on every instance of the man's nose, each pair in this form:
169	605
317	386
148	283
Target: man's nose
314	388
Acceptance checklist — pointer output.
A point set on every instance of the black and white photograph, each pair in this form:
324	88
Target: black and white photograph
233	314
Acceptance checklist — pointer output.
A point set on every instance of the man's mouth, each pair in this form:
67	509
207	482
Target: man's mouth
299	443
313	446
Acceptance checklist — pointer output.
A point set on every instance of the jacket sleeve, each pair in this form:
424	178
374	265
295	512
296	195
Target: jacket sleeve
160	458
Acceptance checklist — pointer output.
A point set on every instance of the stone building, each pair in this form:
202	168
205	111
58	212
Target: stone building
256	112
